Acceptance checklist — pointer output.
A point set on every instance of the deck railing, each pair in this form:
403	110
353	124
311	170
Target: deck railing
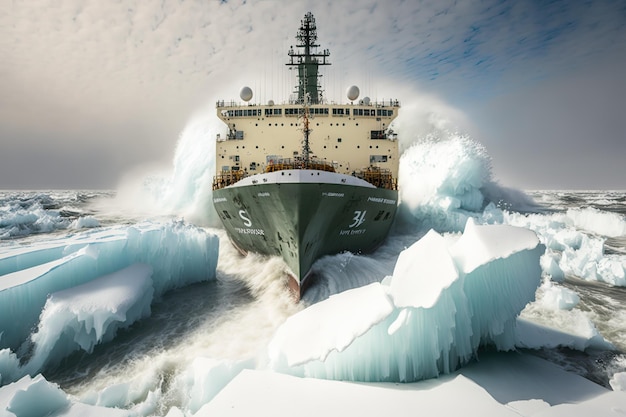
379	177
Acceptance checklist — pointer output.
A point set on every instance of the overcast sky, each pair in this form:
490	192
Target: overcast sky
90	90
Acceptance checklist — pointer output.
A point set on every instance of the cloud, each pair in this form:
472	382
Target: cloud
125	77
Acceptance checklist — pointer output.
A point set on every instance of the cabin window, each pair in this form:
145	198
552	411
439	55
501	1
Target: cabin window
252	166
338	139
378	134
378	158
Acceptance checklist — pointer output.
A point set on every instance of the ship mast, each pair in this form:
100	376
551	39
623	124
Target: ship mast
307	60
306	148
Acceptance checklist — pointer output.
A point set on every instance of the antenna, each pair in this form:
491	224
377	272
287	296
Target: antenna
308	61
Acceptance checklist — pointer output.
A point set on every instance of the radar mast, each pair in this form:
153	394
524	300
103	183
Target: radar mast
308	61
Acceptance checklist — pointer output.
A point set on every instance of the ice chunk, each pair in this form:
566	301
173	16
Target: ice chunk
38	397
550	266
329	325
32	397
557	297
205	377
179	255
422	272
481	244
576	253
9	366
88	314
85	222
363	336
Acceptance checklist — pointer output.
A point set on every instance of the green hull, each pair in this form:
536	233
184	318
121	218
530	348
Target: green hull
304	221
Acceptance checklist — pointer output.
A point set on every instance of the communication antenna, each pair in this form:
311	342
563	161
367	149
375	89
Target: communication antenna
308	60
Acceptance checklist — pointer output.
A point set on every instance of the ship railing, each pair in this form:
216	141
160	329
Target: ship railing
379	177
223	104
288	163
226	178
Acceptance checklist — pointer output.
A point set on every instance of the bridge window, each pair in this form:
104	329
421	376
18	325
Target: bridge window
378	134
378	158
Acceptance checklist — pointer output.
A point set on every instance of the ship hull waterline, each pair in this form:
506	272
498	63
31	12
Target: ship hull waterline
302	222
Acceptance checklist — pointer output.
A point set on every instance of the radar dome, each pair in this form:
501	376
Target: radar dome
366	100
246	94
352	93
270	103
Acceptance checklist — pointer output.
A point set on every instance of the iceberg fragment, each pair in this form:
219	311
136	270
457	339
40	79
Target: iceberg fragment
179	255
442	303
9	366
335	327
32	397
206	377
88	314
38	397
572	252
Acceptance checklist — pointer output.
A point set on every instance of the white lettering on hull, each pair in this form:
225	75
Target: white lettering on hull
381	200
257	232
352	232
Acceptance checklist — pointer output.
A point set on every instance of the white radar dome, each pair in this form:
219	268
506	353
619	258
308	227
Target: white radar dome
352	92
246	94
366	100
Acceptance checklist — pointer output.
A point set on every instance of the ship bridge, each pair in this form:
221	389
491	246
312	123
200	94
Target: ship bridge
354	138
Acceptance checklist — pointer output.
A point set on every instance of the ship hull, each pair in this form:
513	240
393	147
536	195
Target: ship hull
302	222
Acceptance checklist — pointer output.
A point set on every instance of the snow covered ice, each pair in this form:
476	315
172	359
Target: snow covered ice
83	316
443	301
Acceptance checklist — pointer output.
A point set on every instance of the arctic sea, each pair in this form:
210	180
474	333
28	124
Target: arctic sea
133	302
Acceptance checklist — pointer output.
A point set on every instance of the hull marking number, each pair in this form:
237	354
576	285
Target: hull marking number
359	218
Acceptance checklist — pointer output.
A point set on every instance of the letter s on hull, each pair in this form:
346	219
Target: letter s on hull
246	221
